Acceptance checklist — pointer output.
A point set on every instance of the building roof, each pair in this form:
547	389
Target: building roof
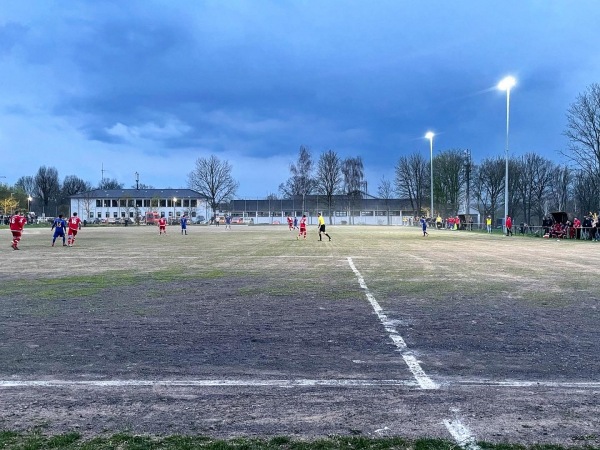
139	193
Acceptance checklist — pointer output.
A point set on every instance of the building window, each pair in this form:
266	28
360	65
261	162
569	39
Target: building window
123	214
147	203
107	215
98	203
122	202
163	203
107	203
115	215
194	203
138	203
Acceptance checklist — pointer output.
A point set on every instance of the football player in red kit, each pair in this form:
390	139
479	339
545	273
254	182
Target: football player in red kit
74	225
302	227
17	222
162	226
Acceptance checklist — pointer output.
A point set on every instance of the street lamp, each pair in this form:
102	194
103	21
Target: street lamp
174	201
429	135
29	203
506	85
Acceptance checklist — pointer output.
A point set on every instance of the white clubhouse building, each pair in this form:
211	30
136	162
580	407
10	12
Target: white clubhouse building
112	204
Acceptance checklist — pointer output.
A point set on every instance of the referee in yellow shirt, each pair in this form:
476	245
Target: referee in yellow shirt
322	227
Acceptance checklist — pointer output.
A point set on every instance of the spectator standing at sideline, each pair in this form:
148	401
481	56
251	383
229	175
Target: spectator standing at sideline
17	222
488	224
509	226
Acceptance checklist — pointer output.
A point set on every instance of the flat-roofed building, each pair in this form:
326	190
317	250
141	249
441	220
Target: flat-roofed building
112	204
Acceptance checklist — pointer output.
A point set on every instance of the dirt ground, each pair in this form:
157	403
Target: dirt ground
251	332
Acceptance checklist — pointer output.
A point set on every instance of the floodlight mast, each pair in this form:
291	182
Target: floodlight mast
429	135
506	84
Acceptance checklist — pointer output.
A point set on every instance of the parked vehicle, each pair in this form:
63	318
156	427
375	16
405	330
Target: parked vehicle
152	217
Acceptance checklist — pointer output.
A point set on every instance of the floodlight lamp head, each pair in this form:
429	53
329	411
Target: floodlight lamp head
429	135
507	83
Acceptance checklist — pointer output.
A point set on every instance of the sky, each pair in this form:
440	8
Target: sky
150	86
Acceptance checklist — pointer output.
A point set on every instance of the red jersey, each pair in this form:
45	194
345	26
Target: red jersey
17	222
508	222
74	223
303	223
162	222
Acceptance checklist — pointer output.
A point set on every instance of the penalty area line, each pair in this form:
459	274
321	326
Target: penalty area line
411	361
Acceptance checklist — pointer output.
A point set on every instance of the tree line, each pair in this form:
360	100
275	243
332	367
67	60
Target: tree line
537	185
49	195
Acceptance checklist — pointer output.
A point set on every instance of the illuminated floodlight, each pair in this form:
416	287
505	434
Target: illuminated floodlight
506	84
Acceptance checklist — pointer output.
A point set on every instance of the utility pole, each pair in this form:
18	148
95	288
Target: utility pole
102	181
137	181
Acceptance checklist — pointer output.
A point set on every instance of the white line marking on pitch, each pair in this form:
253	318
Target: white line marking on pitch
341	383
203	383
413	365
527	383
460	432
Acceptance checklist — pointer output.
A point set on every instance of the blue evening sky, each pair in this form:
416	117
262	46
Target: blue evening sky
149	86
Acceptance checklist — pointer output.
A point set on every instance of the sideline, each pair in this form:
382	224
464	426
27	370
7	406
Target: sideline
294	383
203	383
411	361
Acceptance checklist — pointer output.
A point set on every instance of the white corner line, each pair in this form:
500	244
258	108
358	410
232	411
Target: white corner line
461	434
425	382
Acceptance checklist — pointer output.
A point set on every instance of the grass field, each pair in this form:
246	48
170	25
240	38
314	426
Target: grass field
250	333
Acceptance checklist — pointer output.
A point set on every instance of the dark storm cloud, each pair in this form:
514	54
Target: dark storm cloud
262	78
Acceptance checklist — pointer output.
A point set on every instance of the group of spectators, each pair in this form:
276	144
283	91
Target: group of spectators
588	229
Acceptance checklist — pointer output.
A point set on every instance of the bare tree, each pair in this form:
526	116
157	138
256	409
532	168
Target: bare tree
448	180
385	191
412	179
110	184
329	177
534	185
585	193
72	185
212	178
301	181
488	185
583	131
560	188
47	186
353	173
26	184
